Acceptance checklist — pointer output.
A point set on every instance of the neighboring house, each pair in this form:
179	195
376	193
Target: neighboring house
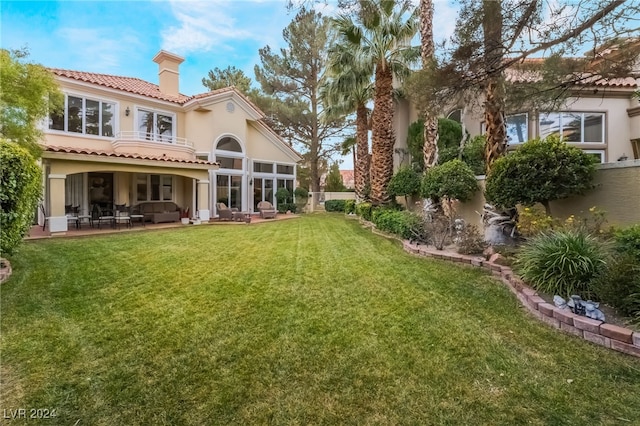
122	140
348	179
602	118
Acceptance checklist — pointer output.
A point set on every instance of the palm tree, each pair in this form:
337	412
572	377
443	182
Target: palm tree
347	88
427	50
379	37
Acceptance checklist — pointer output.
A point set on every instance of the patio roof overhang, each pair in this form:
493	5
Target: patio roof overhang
69	161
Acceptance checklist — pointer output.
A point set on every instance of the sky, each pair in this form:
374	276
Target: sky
122	37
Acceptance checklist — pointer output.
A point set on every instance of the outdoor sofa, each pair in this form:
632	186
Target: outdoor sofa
158	211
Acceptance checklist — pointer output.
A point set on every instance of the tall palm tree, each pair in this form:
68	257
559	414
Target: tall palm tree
348	88
380	36
427	51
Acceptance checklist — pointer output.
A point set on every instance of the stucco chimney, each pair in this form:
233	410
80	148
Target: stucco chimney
168	73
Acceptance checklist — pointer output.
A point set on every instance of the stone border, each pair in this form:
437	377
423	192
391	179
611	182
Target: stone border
608	335
5	270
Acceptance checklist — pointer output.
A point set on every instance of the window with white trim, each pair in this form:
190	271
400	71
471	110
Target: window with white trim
156	126
576	127
154	187
88	116
596	153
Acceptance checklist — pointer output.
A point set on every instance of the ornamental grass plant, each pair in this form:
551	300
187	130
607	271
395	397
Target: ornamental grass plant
563	262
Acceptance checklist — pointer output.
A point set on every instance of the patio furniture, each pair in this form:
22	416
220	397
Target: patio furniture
159	211
224	212
72	215
241	217
136	216
101	216
45	217
267	211
122	215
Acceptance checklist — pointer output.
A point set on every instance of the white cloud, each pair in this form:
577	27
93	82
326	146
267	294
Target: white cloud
202	26
98	46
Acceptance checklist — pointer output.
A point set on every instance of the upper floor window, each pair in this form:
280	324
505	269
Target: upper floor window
156	126
229	144
579	127
455	115
285	169
259	167
517	128
85	116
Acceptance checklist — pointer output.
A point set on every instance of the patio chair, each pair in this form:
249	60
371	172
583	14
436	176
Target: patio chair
99	215
72	213
224	212
267	211
45	217
122	215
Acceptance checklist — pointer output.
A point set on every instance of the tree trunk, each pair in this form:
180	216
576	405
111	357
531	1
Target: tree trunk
361	169
383	139
430	148
496	131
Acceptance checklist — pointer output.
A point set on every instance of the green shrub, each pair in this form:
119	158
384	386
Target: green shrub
364	210
628	241
562	262
619	285
350	206
453	180
403	183
473	154
283	195
20	191
397	222
539	171
301	193
334	205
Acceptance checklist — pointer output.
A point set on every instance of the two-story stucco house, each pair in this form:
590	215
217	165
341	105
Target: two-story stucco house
600	116
122	140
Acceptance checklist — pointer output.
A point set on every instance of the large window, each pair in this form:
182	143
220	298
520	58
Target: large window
154	187
578	127
517	128
85	116
156	126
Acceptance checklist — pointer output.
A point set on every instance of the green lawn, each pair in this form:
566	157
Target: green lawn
307	321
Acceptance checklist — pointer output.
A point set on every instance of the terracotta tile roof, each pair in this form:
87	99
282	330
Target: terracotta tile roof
88	151
140	87
126	84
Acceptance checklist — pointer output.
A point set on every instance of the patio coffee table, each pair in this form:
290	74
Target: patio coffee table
242	217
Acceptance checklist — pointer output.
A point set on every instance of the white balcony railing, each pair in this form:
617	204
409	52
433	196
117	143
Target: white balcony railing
152	137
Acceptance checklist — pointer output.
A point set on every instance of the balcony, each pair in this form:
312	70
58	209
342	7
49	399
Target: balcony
132	142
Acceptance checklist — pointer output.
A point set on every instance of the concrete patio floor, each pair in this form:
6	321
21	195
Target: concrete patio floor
36	231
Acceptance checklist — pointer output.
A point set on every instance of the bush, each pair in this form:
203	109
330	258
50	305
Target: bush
349	206
468	238
619	285
532	221
628	241
396	222
562	262
334	205
364	210
453	180
473	154
539	171
20	183
404	183
283	195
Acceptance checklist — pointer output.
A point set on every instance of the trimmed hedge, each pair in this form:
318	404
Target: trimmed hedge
334	205
397	222
20	183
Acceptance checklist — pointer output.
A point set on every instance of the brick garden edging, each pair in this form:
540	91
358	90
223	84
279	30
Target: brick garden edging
608	335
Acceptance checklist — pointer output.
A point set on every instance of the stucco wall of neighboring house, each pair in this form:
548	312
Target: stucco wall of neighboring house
616	193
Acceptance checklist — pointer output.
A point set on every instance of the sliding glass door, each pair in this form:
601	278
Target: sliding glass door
229	190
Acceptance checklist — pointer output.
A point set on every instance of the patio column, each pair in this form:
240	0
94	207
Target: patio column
203	200
57	215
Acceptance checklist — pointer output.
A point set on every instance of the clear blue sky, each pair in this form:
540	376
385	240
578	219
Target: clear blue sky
122	37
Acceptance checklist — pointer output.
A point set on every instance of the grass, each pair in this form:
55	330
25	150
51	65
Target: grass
308	321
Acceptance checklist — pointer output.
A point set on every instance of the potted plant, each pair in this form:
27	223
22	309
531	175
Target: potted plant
184	216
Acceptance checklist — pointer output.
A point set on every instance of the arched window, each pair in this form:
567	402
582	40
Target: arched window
229	144
455	115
